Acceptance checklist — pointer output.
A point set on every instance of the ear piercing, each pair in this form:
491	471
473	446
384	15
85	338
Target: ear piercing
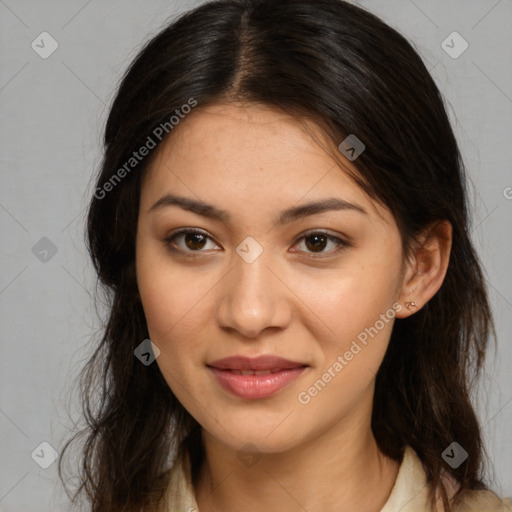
410	305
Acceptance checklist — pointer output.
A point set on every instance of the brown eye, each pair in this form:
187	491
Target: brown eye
188	240
317	241
194	241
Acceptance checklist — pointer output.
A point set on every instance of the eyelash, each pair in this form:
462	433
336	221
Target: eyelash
342	244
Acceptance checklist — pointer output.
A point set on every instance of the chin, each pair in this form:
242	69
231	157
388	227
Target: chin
254	434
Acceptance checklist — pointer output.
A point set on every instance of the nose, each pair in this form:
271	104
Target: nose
253	297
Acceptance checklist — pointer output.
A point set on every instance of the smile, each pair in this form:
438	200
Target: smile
253	378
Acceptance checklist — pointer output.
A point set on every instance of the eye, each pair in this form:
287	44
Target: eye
193	240
317	241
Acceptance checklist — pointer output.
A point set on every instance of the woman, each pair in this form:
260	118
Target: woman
296	310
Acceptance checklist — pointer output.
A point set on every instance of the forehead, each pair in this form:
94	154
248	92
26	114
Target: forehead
250	156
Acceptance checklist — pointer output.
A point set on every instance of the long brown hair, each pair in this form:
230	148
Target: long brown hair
335	63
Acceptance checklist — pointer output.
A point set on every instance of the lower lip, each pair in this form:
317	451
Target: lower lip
256	386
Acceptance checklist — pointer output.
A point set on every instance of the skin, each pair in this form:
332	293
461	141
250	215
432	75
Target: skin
291	301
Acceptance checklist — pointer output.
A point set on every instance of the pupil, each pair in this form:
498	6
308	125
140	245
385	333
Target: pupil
319	244
191	245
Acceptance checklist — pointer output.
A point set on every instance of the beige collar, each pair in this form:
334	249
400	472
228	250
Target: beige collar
409	494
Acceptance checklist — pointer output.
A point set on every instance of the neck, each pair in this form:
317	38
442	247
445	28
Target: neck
325	473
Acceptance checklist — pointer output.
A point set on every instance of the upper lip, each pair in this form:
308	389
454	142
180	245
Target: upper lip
267	362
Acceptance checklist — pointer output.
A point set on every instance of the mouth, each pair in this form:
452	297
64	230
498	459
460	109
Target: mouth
253	378
265	363
257	372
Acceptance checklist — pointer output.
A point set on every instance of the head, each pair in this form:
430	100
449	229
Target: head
245	117
257	278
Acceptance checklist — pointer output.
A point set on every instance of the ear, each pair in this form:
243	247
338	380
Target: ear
426	267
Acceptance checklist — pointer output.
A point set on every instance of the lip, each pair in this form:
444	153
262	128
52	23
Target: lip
266	362
279	373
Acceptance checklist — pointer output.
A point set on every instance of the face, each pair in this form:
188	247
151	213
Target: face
317	287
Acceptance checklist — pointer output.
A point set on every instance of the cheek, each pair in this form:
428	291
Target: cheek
172	298
344	303
173	308
354	321
349	361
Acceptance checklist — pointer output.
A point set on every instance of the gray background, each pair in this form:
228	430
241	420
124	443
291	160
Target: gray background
53	112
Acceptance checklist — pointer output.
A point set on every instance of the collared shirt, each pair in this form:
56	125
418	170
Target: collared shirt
409	493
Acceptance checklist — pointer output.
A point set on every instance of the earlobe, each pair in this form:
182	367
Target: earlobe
426	268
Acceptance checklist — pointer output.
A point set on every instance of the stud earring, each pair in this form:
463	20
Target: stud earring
410	305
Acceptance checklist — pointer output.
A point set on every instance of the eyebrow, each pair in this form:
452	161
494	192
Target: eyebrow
286	216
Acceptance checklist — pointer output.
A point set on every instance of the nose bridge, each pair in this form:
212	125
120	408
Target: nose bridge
253	298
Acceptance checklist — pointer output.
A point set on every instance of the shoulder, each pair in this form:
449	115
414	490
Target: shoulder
411	490
180	491
482	501
475	500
